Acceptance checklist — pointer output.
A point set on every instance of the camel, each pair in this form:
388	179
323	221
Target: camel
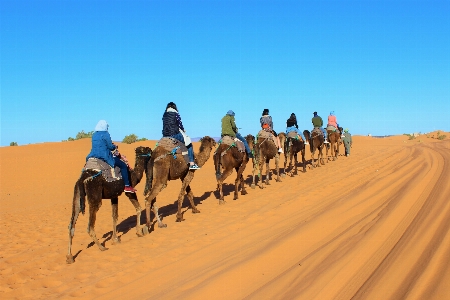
292	146
230	158
265	150
94	186
334	138
163	167
316	140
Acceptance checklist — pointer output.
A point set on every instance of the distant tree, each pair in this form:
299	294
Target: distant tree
13	144
80	135
132	138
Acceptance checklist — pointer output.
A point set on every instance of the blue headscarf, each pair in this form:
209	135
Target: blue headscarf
332	113
102	126
230	112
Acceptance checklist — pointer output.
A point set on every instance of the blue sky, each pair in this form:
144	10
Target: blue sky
382	66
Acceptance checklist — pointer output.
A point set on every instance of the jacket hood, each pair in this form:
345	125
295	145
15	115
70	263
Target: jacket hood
102	125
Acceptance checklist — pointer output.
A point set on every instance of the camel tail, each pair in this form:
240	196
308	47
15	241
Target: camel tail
79	195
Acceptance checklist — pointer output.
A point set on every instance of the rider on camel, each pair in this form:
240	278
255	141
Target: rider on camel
229	128
318	123
291	125
267	125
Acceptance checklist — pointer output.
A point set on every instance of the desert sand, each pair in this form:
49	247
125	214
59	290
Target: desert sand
374	225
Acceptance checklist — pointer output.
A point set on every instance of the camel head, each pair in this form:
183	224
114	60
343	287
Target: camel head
207	142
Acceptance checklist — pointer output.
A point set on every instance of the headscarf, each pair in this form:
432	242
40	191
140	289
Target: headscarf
102	126
346	130
230	112
172	105
315	114
332	113
265	111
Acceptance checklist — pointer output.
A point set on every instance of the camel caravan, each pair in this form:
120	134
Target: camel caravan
106	173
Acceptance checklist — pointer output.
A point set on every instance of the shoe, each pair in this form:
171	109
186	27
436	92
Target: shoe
306	143
194	167
342	135
280	150
348	155
250	155
325	142
130	189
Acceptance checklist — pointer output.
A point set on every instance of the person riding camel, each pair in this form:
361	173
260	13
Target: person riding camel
103	148
291	125
173	127
229	128
267	125
318	123
332	121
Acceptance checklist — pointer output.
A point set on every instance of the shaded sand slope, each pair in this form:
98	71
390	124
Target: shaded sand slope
374	225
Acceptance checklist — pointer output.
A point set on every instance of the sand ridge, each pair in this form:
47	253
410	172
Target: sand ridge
370	226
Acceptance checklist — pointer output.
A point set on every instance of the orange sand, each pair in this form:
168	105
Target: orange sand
375	225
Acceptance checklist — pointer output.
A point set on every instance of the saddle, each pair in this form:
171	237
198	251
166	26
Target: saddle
293	134
332	128
232	142
174	147
266	135
109	173
316	131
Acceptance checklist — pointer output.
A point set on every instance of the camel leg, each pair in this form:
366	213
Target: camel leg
277	167
94	206
295	163
155	209
261	166
267	172
190	196
150	203
115	215
133	199
220	181
303	160
75	212
320	157
240	171
184	186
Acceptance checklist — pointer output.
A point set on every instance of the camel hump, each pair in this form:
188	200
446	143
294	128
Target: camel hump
109	173
331	128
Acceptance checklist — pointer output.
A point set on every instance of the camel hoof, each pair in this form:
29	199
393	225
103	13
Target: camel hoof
116	241
69	259
179	220
140	232
253	186
162	225
283	175
222	202
103	248
195	211
244	193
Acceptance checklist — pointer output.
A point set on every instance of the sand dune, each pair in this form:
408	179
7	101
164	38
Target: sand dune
374	225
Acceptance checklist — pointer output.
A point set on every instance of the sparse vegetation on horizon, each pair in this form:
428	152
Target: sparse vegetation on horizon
80	135
132	138
13	144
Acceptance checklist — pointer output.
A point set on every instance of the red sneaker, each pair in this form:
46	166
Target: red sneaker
129	189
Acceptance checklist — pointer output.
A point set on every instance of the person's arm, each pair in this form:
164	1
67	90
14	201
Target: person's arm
233	124
321	122
271	123
180	124
108	141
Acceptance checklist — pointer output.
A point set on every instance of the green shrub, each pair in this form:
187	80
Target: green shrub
132	138
13	144
80	135
411	137
441	137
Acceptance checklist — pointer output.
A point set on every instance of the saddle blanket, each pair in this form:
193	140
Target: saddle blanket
174	146
332	128
292	134
227	140
264	134
109	173
316	131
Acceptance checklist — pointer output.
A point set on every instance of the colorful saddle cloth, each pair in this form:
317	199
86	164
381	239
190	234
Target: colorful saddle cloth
232	142
292	134
332	128
266	135
109	173
316	131
174	147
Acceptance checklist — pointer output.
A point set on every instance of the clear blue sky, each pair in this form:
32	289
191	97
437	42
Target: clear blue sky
382	66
